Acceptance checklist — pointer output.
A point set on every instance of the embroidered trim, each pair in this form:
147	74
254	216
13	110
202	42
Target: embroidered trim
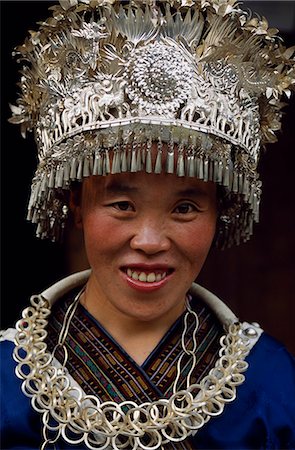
101	367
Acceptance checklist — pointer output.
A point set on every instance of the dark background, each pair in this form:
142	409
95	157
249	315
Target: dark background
256	279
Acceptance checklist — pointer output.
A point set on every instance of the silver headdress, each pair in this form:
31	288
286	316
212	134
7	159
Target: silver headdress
104	79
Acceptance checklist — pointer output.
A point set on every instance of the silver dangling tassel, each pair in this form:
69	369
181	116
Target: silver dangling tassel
197	166
95	165
100	164
134	159
206	170
246	187
43	186
107	163
241	182
56	177
39	230
116	166
51	180
170	158
31	204
218	171
143	154
201	168
97	169
80	170
225	176
139	158
235	187
123	159
256	202
73	172
35	216
35	192
66	172
33	197
190	166
30	215
158	166
180	169
38	194
51	222
86	167
60	177
148	157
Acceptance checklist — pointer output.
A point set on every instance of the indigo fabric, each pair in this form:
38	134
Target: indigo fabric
262	416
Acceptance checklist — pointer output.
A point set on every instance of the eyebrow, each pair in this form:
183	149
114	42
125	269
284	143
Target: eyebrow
192	192
116	187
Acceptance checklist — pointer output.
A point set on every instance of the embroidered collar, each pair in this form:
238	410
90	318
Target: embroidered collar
83	418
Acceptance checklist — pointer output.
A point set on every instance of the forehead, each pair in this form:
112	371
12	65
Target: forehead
155	184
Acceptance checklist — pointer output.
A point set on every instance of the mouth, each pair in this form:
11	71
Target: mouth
149	277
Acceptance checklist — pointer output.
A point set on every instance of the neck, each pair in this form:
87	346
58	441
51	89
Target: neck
138	336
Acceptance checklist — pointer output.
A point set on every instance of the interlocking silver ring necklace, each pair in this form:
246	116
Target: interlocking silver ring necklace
69	413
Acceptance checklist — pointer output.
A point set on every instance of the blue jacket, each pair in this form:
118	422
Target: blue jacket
262	416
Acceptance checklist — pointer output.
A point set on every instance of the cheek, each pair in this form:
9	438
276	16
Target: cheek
103	236
97	230
196	239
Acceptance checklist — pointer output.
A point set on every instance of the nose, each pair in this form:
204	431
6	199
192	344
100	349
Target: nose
150	237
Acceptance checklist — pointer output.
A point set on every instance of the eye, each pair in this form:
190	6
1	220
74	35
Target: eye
185	208
123	206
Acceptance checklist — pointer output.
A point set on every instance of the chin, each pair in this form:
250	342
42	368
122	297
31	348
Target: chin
150	312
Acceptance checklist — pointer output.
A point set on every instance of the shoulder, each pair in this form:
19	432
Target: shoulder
6	350
262	415
269	391
19	424
268	345
272	368
10	384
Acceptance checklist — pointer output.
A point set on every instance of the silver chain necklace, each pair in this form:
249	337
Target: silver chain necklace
69	413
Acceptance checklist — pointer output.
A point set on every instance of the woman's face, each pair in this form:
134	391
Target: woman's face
146	237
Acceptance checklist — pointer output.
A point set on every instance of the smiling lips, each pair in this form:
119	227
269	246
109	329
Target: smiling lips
147	278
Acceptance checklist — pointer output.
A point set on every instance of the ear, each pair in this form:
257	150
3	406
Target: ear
75	207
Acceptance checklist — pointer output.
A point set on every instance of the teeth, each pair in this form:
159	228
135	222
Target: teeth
142	277
151	278
134	276
146	278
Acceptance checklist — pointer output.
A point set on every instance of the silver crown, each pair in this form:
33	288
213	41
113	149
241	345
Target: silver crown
110	76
